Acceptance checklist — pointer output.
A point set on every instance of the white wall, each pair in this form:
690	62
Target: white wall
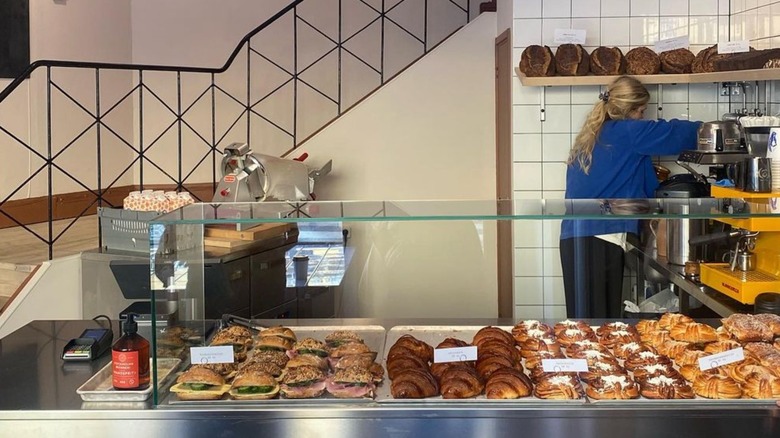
428	134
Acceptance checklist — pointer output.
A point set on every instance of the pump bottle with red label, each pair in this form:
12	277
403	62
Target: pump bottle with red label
130	358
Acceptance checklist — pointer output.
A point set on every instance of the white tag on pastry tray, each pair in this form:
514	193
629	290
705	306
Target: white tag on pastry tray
217	354
720	359
459	354
564	365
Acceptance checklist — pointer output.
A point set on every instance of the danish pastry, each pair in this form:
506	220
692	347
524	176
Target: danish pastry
668	320
721	346
761	386
690	357
742	372
746	328
716	387
558	387
771	320
692	372
646	326
674	349
693	332
657	338
508	383
664	387
613	387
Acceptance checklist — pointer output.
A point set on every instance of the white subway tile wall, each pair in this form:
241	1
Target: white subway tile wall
541	148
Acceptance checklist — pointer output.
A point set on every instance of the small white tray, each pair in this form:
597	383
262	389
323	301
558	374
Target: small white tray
100	387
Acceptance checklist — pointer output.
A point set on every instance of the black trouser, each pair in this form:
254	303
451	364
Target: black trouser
592	277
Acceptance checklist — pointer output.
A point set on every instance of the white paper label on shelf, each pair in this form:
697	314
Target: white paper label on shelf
564	365
668	44
734	46
720	359
219	354
459	354
570	36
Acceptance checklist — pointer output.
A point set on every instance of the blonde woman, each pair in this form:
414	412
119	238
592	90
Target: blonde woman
612	159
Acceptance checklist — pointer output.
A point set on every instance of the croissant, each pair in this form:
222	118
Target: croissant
438	369
614	326
586	345
721	346
414	383
397	364
746	328
498	348
593	356
488	333
663	387
452	343
508	383
599	369
418	347
625	350
771	320
535	361
615	338
460	382
487	365
531	346
523	329
668	320
659	369
762	386
570	336
569	324
716	386
690	357
646	326
614	387
641	358
558	387
693	332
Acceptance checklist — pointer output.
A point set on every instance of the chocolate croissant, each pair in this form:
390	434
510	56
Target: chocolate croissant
460	382
508	383
716	387
414	383
694	332
418	347
498	348
489	333
487	365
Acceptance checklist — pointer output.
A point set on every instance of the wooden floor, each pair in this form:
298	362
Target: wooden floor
21	251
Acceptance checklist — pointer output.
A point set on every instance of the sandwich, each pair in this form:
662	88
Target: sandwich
277	357
266	367
240	332
340	337
170	344
352	382
199	383
226	370
254	385
310	346
310	360
303	382
350	349
362	361
280	331
274	343
238	343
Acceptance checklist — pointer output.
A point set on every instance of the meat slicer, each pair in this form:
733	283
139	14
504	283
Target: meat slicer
252	177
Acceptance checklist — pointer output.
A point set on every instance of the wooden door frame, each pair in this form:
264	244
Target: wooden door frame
505	240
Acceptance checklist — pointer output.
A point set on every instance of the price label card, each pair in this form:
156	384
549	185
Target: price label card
720	359
219	354
570	36
564	365
672	44
734	46
460	354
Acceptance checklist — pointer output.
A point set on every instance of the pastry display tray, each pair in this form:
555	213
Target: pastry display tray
99	387
433	335
372	335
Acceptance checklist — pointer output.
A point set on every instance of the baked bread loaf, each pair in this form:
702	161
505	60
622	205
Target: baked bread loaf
605	61
676	61
614	387
414	383
706	58
460	381
664	387
748	60
715	386
571	60
508	383
537	61
642	61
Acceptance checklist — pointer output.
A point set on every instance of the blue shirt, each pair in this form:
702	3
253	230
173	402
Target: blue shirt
622	168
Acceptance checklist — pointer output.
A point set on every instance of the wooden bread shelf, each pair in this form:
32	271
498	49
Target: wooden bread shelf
763	74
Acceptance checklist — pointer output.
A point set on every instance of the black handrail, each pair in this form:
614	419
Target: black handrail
113	66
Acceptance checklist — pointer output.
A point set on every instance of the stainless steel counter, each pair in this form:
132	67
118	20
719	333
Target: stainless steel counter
38	398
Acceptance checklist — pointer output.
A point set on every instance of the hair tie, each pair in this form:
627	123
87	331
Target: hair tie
604	96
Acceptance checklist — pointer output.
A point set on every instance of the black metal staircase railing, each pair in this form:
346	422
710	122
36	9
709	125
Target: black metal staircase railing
234	102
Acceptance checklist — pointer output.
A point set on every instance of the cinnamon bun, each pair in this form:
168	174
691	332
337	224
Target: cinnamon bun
716	386
570	324
645	372
586	345
614	387
619	337
599	369
535	361
614	326
593	356
558	387
742	372
664	387
532	328
624	350
572	335
771	320
531	346
641	358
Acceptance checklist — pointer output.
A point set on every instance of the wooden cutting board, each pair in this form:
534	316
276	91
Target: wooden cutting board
260	232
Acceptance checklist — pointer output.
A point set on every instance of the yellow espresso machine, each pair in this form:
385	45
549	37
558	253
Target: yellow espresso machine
755	261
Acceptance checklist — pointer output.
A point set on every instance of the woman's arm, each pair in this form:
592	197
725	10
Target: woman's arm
663	137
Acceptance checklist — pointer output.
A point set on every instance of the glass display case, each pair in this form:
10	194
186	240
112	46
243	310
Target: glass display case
403	259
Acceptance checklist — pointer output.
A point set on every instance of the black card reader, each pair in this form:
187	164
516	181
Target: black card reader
90	345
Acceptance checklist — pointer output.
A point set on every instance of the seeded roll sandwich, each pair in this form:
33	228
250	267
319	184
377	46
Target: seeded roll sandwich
341	337
274	343
254	385
303	382
238	343
352	382
310	346
198	383
282	332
